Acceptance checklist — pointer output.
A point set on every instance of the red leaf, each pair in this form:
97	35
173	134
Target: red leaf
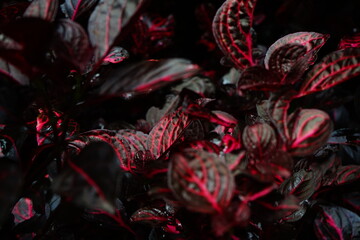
259	140
201	180
146	76
106	23
44	9
333	69
150	215
232	30
202	145
167	131
284	53
23	210
74	8
116	55
350	41
345	174
310	129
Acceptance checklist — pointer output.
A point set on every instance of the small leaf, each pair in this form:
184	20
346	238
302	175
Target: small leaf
350	41
201	180
333	69
167	131
336	223
23	210
146	76
150	215
310	129
260	140
44	9
107	21
116	55
232	30
74	8
283	54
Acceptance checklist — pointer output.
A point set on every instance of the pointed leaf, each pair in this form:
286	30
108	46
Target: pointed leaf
146	76
201	180
74	8
310	129
336	223
44	9
107	21
283	54
333	69
350	41
232	30
260	140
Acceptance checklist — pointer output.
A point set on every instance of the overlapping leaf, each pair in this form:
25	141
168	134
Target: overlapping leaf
201	181
146	76
344	175
44	9
309	130
232	30
350	41
74	8
333	69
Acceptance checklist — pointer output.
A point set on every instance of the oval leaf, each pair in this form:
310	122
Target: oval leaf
44	9
201	180
232	30
260	140
74	8
309	130
333	69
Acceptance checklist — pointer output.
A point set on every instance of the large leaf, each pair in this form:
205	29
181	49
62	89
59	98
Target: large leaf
71	43
232	30
167	131
336	223
333	69
309	130
201	181
285	52
45	9
74	8
107	21
90	180
345	174
146	76
259	140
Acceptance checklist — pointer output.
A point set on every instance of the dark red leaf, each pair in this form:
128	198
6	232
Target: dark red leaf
13	72
13	11
23	210
258	79
201	181
116	55
44	9
74	8
344	174
259	140
167	131
150	215
333	69
336	223
146	76
232	30
72	44
309	130
230	143
107	21
350	41
284	53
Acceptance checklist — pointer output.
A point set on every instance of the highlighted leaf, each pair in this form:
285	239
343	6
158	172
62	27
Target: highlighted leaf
74	8
23	210
338	223
44	9
309	130
333	69
150	215
232	30
201	181
116	55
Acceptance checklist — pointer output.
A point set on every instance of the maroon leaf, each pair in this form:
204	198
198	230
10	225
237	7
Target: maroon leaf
232	30
201	180
310	129
13	11
283	54
150	215
344	174
260	140
230	143
116	55
350	41
336	223
74	8
72	44
13	72
333	69
258	79
44	9
167	131
146	76
107	21
23	210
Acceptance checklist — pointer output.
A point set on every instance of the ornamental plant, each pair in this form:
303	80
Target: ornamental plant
108	132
